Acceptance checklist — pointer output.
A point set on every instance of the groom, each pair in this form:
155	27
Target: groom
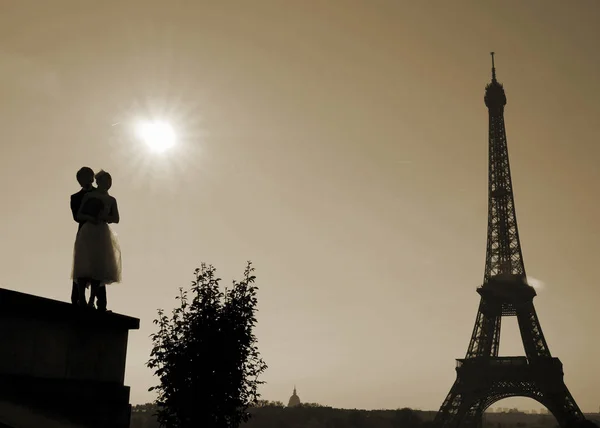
85	178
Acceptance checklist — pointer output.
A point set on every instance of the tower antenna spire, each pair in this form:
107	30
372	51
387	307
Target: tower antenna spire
493	67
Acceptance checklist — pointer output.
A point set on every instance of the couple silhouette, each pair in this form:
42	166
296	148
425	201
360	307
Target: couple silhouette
96	256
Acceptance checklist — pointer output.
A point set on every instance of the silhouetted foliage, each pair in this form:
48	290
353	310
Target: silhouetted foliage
267	403
405	418
357	419
205	355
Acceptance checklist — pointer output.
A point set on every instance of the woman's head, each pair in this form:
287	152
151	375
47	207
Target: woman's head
103	180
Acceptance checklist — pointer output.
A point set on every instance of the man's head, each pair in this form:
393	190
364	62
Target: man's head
103	180
85	177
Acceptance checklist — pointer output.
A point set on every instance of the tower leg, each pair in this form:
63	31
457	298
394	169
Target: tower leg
533	339
485	340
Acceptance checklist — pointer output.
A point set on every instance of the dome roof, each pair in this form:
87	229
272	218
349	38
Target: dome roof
294	399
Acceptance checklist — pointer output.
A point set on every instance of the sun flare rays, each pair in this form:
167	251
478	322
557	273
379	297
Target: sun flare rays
159	143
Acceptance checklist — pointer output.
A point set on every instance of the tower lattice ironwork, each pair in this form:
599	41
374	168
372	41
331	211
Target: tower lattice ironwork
482	376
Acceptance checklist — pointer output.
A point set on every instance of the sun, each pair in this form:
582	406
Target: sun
159	136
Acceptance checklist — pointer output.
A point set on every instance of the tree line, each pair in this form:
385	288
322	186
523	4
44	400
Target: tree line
273	414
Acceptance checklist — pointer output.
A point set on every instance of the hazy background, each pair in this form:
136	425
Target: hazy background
340	145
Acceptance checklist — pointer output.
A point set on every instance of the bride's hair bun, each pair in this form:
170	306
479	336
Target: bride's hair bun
101	174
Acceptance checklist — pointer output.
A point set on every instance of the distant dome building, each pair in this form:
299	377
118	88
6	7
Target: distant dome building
294	399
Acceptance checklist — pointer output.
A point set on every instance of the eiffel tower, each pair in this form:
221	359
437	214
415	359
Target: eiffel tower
482	377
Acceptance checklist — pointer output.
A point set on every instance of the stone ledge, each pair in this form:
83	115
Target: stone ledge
15	304
15	416
61	363
92	404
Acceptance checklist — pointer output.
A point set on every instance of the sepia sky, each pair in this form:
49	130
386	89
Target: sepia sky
339	145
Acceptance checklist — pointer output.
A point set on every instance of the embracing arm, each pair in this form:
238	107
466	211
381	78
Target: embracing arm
113	214
81	217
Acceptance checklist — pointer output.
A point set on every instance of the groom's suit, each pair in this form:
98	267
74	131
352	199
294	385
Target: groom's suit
76	200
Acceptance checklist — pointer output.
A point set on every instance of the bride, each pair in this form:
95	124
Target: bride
97	255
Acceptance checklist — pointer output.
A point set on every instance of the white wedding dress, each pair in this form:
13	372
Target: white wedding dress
97	254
